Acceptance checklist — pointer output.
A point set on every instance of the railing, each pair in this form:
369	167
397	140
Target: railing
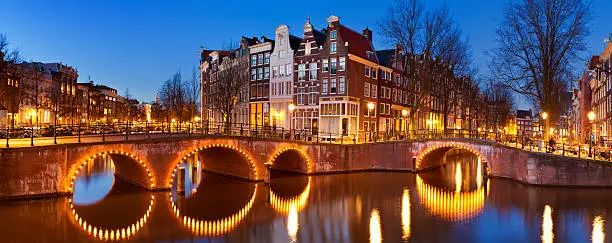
87	133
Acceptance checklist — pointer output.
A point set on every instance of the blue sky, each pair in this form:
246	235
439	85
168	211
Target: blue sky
138	44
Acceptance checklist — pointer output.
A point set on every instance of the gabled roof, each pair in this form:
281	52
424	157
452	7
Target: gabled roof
250	41
319	37
358	44
385	57
294	42
523	114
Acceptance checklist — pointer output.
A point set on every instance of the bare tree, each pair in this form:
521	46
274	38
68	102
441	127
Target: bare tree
226	85
433	52
538	42
33	90
193	93
172	97
500	104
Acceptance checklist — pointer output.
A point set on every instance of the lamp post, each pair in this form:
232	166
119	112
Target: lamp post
370	109
405	115
591	117
544	117
291	109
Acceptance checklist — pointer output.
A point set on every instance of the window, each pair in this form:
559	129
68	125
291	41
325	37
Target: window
332	47
313	71
374	73
282	71
333	65
289	69
341	85
313	95
275	71
342	64
366	89
324	88
325	65
374	91
307	49
332	86
367	71
301	72
260	90
266	72
267	58
370	55
259	59
253	74
253	60
388	93
259	73
253	91
332	35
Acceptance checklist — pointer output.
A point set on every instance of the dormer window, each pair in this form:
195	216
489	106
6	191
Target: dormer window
370	54
332	35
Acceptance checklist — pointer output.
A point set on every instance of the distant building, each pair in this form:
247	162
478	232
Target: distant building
524	123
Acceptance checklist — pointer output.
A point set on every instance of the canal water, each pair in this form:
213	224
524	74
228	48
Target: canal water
449	204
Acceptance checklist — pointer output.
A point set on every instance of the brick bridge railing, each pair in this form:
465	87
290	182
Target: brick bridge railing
51	169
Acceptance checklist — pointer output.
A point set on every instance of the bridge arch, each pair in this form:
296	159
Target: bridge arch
203	227
127	165
212	154
104	232
452	206
431	156
291	159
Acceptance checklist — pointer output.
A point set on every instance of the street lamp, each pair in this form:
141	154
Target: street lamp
545	117
591	117
370	109
405	115
291	108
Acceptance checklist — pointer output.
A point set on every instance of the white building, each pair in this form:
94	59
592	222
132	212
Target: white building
281	81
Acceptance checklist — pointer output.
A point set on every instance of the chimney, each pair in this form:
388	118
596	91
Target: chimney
368	34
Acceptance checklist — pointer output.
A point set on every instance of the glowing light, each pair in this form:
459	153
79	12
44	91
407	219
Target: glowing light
448	205
284	205
375	231
292	224
545	115
458	178
101	233
291	107
479	173
547	225
216	227
598	234
406	215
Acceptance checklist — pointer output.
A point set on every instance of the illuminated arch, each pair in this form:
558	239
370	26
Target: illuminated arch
298	150
448	145
452	206
106	233
215	227
242	152
285	205
76	168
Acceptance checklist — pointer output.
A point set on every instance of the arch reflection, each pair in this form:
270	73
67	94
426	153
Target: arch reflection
209	227
450	205
291	206
103	230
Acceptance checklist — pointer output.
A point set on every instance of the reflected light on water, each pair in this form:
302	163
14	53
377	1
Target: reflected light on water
479	173
458	177
292	224
406	215
598	234
547	225
375	231
452	206
215	227
106	233
284	205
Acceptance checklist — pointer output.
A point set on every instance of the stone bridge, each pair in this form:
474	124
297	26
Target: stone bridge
151	164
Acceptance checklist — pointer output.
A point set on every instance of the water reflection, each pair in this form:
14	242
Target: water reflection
598	230
291	206
375	231
406	215
547	225
189	175
94	181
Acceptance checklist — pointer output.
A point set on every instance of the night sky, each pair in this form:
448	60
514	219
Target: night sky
139	44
